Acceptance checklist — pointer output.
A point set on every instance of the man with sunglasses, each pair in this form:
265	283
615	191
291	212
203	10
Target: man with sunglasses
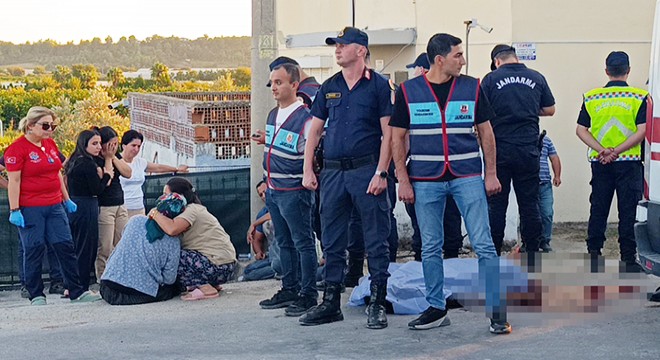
519	95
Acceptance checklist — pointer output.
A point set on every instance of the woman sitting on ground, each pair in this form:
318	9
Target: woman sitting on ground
208	257
143	267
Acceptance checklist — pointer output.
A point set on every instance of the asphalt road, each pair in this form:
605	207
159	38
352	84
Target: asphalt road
234	327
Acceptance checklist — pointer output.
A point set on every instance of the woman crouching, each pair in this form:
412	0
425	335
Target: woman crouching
208	257
143	267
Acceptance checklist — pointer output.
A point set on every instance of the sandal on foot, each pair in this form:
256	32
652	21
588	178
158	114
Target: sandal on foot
197	294
38	301
86	297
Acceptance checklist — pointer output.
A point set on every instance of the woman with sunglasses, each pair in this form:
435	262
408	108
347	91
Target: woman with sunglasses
112	212
86	181
37	201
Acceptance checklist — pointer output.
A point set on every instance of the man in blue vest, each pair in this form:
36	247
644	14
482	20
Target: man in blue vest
519	95
452	220
612	122
437	112
354	105
289	203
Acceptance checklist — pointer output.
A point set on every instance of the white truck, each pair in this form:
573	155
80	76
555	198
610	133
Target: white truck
647	228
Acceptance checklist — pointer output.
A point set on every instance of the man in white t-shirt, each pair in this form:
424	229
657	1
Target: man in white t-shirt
289	203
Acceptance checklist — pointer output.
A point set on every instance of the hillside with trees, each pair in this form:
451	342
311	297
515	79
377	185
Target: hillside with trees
129	53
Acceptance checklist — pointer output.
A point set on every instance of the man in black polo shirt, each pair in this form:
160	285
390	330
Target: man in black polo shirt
519	95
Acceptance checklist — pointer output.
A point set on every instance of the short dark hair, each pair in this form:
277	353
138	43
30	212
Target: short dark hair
107	133
291	69
441	44
131	135
259	184
617	71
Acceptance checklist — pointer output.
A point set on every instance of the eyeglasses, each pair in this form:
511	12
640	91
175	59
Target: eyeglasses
47	126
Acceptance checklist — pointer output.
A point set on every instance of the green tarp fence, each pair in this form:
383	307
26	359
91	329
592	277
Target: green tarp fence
225	193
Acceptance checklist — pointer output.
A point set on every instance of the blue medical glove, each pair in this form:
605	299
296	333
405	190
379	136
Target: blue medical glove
70	206
16	218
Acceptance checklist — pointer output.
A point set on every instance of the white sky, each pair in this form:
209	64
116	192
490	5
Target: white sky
73	20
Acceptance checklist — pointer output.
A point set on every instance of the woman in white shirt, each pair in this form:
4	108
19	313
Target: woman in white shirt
133	196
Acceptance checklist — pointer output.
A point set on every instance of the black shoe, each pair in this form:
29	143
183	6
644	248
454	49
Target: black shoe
25	294
630	267
56	287
301	306
376	318
655	297
499	327
430	319
281	299
328	311
320	285
545	247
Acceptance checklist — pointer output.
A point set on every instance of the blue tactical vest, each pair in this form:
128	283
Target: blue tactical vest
284	150
442	139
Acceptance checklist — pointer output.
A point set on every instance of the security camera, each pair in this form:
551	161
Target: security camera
473	23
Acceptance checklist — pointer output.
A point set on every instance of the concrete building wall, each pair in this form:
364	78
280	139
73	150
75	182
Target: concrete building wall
572	39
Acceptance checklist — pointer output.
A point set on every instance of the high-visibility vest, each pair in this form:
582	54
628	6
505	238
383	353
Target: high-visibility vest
284	150
613	111
442	139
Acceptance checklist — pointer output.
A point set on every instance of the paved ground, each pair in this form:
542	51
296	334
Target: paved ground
233	327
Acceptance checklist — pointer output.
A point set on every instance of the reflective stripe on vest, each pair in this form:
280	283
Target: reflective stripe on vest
284	150
613	111
442	139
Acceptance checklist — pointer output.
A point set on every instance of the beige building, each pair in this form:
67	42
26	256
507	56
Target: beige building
565	40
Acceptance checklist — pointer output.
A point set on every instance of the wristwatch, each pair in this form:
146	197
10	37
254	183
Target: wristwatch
381	173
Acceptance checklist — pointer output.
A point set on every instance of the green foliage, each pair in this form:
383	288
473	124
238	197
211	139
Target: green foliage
222	52
15	71
161	74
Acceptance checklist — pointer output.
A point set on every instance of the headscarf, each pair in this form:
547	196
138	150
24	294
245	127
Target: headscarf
170	205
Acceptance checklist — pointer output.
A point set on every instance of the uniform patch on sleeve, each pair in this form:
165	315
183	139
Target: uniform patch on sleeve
11	160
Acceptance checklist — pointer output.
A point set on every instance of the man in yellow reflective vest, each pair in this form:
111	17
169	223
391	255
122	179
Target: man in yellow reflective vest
612	122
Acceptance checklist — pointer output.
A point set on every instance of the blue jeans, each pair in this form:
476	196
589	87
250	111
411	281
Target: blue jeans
259	270
470	196
291	212
546	203
48	225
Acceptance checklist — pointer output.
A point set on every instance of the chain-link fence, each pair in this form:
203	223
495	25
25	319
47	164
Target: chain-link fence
226	194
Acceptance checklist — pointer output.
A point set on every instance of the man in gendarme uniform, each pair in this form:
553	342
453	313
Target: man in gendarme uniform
356	105
612	122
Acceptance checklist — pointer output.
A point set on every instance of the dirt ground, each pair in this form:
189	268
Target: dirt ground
569	237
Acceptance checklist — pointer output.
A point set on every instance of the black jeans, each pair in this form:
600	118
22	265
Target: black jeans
626	179
451	226
116	294
519	164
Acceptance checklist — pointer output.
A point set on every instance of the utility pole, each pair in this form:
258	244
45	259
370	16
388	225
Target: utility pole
264	50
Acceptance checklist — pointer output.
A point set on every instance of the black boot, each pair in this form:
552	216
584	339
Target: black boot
329	310
376	318
355	271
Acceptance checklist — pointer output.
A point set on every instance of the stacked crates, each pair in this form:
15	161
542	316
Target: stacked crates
182	122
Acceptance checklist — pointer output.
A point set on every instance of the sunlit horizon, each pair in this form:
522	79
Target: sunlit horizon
76	20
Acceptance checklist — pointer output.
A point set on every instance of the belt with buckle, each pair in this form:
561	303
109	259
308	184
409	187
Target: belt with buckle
350	163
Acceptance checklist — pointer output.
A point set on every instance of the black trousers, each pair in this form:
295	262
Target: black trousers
116	294
626	179
84	224
518	164
451	227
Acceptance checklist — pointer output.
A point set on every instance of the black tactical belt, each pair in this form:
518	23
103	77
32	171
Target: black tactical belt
350	163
